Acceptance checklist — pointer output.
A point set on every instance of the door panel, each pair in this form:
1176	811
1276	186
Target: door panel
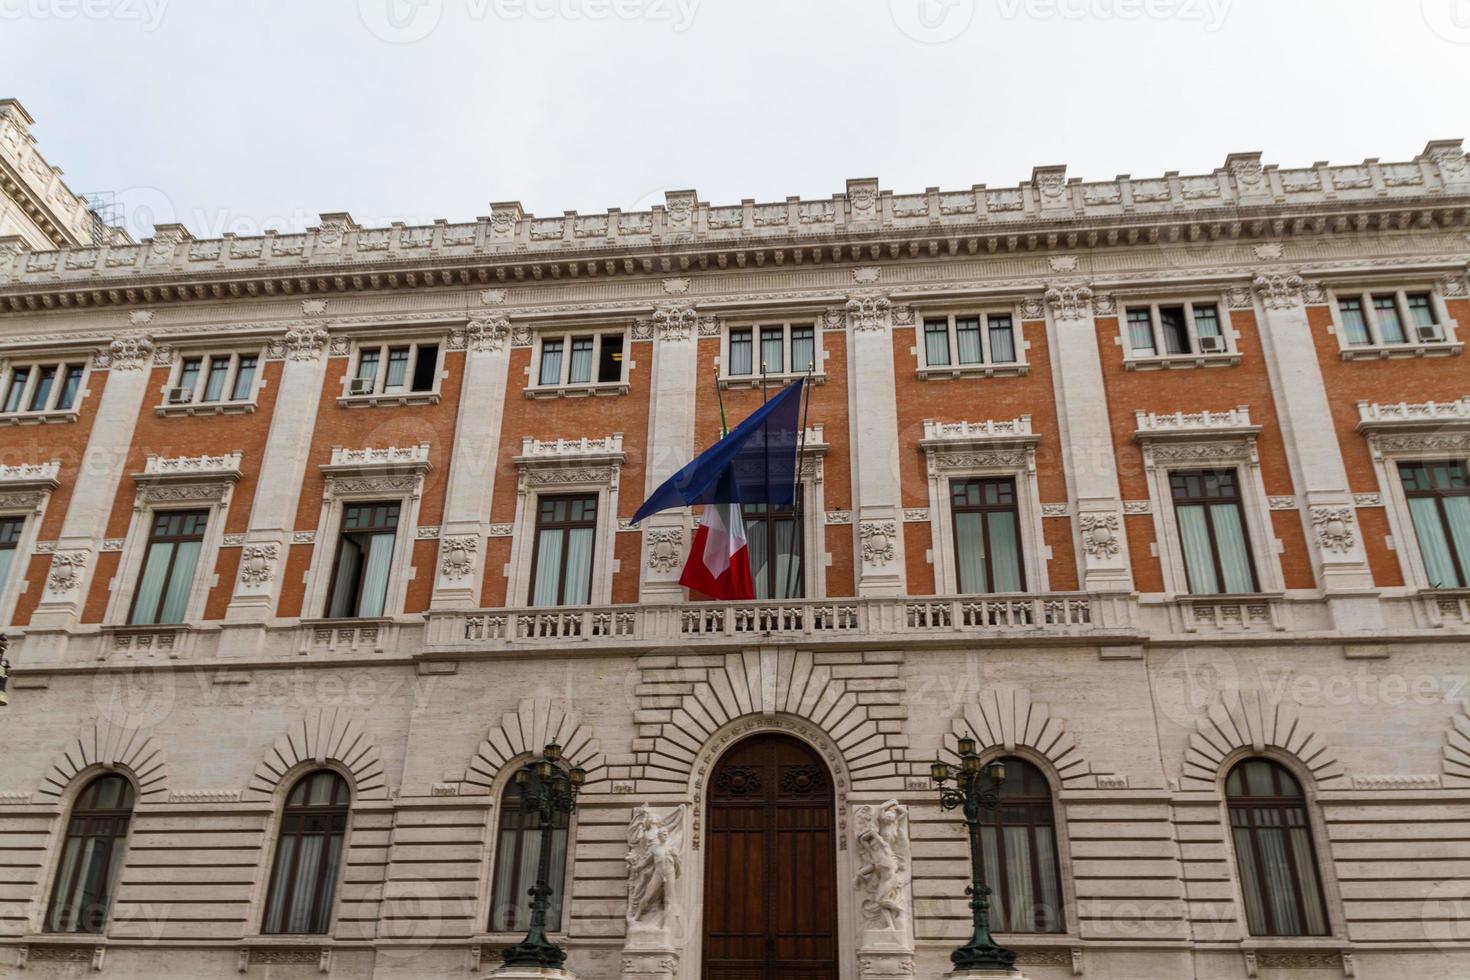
770	865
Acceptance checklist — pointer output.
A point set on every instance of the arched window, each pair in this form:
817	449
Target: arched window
1273	849
91	857
308	855
517	851
1019	851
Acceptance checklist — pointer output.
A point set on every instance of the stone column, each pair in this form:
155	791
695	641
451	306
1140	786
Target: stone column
885	891
466	522
673	382
656	930
873	412
127	361
1323	494
1092	467
277	492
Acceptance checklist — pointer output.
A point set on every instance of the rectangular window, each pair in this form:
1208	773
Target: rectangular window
69	387
1439	503
10	528
987	536
582	360
395	370
213	379
965	340
50	387
551	353
1354	324
581	369
244	378
740	351
773	350
803	350
1206	323
364	561
1175	330
15	393
561	564
41	393
610	359
1217	553
219	371
1141	332
1390	324
169	565
936	342
773	535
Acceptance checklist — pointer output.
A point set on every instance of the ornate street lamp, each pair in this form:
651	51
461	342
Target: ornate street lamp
4	671
546	790
976	792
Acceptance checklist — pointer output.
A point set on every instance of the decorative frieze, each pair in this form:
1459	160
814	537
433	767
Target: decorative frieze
878	541
665	548
1279	290
1334	527
868	311
1233	420
1100	534
457	555
66	571
1373	416
127	352
258	563
1070	302
674	322
162	467
382	458
1284	502
481	333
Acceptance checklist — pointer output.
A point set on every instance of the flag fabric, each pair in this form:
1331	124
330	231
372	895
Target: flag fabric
759	456
719	561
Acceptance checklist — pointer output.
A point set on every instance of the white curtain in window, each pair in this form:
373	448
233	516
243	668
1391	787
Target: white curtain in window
580	372
1353	323
298	919
579	566
7	556
970	553
1002	342
787	567
1457	510
548	567
550	364
773	347
1306	874
555	878
1141	333
150	586
803	351
1235	559
755	543
1046	860
990	859
180	582
1021	911
967	339
1005	553
502	914
740	352
1439	565
348	561
936	345
275	911
1250	887
375	576
1194	534
1272	842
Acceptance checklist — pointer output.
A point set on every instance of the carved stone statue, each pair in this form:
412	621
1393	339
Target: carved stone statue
655	841
883	846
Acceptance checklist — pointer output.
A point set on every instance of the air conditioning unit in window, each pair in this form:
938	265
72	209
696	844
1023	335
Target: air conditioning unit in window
1429	333
360	386
1212	345
179	396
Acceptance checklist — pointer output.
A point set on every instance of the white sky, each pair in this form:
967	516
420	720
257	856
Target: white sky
230	116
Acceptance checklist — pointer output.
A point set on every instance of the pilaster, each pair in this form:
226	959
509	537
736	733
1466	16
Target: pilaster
873	413
282	471
1087	439
127	361
674	381
466	522
1305	414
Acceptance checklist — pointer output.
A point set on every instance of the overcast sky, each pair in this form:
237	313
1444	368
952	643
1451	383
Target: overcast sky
231	116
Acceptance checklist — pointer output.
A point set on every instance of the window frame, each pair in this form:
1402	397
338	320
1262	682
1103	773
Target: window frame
50	413
25	497
154	538
340	540
384	347
1238	502
1462	562
1377	347
800	514
754	379
1390	444
196	405
986	367
565	886
1159	357
1014	509
116	840
566	525
1325	884
1014	759
278	833
563	387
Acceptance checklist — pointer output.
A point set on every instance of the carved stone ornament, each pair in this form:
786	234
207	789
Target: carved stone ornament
1031	308
305	343
655	845
127	352
665	548
867	311
457	555
1072	302
1334	527
258	563
881	833
1099	534
1279	290
482	333
878	537
66	571
674	322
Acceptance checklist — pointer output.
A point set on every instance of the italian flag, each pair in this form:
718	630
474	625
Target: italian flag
719	561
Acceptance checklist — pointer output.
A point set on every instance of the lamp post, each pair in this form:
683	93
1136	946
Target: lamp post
975	792
546	790
4	671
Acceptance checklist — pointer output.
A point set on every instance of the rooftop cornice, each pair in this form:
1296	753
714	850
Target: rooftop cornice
37	187
1242	200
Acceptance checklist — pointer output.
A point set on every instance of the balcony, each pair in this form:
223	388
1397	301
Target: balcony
967	619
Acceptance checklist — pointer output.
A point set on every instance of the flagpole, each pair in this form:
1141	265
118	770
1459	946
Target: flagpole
720	394
799	498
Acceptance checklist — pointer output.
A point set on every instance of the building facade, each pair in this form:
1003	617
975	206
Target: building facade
1157	488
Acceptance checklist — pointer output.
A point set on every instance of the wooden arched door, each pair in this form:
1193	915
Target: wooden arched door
770	871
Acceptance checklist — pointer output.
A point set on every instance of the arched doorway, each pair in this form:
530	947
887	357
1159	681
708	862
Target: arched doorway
770	873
